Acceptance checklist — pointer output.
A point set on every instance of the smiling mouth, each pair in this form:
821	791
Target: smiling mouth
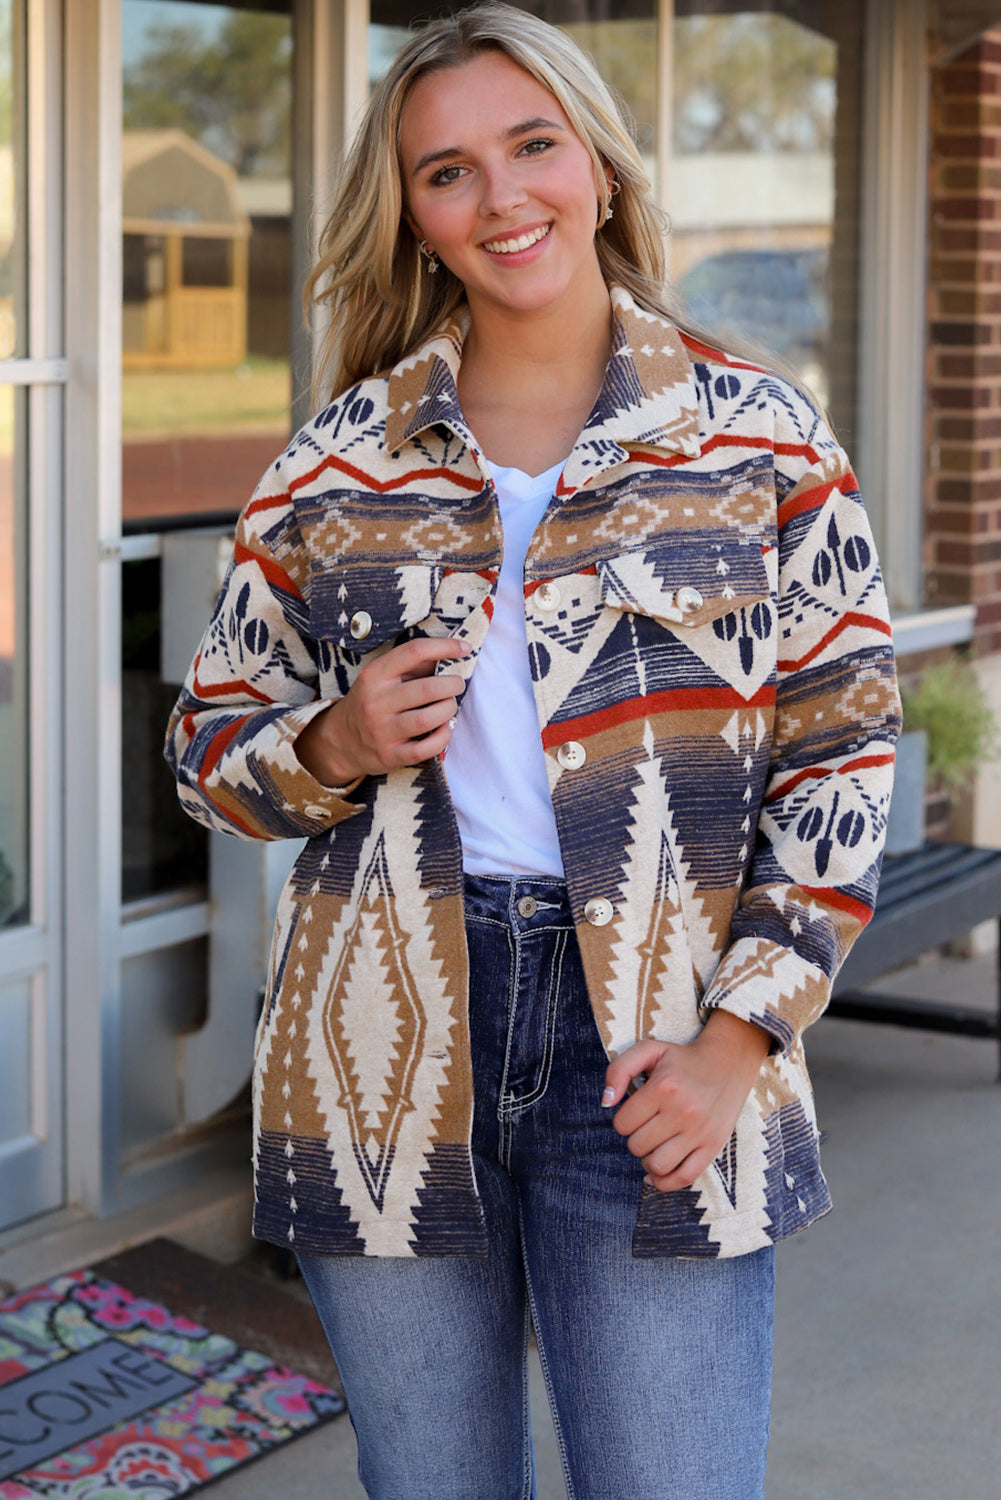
523	242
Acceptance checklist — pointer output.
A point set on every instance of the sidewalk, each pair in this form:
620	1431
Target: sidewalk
888	1336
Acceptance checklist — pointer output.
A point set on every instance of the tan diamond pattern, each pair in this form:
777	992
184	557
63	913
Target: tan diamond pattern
374	1027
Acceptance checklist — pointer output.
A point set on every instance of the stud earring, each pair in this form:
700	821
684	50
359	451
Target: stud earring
430	256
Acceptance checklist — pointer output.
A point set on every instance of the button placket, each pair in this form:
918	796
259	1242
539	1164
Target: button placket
598	911
571	755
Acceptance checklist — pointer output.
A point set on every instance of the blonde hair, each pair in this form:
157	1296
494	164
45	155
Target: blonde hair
382	302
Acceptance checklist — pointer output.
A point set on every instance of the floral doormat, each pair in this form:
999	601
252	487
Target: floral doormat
105	1395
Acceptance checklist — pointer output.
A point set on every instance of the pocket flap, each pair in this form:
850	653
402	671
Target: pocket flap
686	582
360	607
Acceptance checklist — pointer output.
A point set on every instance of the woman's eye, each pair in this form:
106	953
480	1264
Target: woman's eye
537	146
445	175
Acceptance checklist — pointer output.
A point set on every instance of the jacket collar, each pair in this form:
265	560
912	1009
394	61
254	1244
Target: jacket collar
648	395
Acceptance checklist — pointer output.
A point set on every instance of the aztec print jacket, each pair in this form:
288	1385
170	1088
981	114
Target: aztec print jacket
713	671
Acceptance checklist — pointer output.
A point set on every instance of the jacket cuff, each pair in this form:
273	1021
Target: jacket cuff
771	986
294	804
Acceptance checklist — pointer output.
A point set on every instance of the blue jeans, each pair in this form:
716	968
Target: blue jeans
658	1370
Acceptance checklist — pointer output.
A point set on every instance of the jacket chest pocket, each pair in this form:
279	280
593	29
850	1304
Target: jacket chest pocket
361	607
717	598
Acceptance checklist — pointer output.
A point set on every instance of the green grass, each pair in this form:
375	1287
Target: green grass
158	403
161	403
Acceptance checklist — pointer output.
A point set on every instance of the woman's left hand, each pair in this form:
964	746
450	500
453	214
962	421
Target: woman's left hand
681	1117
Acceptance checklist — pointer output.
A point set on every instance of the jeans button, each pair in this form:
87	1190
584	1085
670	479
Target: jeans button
527	906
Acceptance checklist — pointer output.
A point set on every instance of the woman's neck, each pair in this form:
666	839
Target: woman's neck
527	383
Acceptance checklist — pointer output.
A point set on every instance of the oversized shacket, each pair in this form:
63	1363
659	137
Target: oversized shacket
711	660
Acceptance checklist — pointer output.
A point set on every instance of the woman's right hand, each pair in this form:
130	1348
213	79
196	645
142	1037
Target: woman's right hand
396	713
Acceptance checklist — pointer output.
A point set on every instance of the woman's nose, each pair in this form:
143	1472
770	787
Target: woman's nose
502	191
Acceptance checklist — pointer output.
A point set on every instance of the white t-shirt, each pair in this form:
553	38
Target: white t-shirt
495	764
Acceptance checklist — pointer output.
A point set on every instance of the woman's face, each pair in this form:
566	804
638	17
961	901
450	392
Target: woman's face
495	179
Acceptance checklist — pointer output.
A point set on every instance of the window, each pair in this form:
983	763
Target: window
206	325
762	183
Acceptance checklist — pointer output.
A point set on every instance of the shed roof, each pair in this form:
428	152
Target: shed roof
170	179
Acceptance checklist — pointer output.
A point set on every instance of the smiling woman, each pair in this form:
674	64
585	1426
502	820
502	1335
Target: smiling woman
534	633
511	211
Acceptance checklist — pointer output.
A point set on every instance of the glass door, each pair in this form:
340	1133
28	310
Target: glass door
31	1146
207	310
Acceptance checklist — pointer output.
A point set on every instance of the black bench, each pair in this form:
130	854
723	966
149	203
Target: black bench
926	898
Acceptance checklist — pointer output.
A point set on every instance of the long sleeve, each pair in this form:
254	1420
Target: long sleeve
812	880
252	688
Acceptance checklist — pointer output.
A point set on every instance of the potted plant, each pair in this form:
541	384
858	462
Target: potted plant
949	732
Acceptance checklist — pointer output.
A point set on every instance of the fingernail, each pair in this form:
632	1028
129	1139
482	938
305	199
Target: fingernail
608	1097
648	1181
451	723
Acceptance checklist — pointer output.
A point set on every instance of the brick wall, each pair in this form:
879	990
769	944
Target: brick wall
963	512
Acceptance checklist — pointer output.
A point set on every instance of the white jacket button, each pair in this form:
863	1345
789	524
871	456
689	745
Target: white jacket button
598	911
689	599
360	625
571	756
548	596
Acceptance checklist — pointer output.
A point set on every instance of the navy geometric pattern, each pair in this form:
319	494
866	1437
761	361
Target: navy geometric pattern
717	643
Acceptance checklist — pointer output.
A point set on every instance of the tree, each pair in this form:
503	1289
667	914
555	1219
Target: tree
752	82
231	91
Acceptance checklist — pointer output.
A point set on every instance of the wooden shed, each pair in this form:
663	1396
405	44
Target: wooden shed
184	254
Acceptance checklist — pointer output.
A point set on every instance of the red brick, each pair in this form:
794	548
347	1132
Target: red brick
958	302
950	366
952	490
980	301
965	145
961	335
947	587
960	177
958	114
955	520
968	82
954	553
953	270
948	238
966	210
963	458
961	397
952	427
